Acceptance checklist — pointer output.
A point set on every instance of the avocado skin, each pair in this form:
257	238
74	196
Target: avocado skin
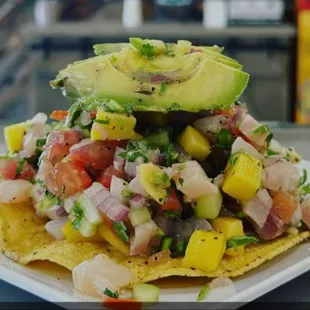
214	85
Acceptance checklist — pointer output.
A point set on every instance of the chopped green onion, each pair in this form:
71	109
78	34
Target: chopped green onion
166	243
303	179
261	130
77	215
271	152
180	247
203	293
111	294
163	87
41	142
236	241
240	215
121	230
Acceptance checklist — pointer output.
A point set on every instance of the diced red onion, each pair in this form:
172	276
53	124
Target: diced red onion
240	114
142	237
165	224
219	180
273	227
37	193
131	167
239	145
195	50
53	212
116	188
113	209
137	201
220	282
119	161
259	207
54	228
282	176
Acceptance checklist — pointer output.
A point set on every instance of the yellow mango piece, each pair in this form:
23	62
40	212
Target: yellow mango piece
194	143
230	227
73	235
243	177
13	135
205	250
113	240
113	126
149	174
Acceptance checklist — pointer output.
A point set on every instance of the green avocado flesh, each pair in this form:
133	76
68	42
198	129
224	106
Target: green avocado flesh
152	76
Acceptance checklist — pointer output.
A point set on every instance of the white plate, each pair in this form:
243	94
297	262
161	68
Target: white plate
54	283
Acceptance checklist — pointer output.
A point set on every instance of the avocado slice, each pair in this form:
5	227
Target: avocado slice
186	82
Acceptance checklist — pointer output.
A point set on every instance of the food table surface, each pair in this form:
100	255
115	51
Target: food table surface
288	135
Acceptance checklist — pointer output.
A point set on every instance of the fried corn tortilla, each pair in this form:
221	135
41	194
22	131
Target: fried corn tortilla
24	239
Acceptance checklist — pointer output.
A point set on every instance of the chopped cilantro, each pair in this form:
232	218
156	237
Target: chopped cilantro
224	138
40	182
233	159
175	107
269	138
41	142
121	230
122	154
111	294
305	189
261	130
19	168
169	52
304	177
128	109
78	214
203	293
161	178
163	87
147	50
133	155
171	155
103	121
236	241
171	214
181	181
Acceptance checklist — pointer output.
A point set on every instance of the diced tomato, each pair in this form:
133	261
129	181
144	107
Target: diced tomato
284	206
121	304
59	115
27	172
97	154
105	176
172	202
8	168
64	137
67	178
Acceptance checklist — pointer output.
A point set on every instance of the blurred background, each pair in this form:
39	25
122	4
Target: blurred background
271	38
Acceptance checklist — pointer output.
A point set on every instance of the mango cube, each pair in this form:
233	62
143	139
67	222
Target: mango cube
14	135
205	250
243	177
230	227
113	126
108	235
73	235
194	143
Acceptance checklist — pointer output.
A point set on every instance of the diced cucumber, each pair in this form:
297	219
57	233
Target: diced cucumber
90	210
87	229
209	207
158	139
139	216
145	292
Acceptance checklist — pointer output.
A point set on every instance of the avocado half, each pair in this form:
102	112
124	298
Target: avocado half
150	75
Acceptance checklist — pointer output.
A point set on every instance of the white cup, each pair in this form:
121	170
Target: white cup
132	13
215	13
